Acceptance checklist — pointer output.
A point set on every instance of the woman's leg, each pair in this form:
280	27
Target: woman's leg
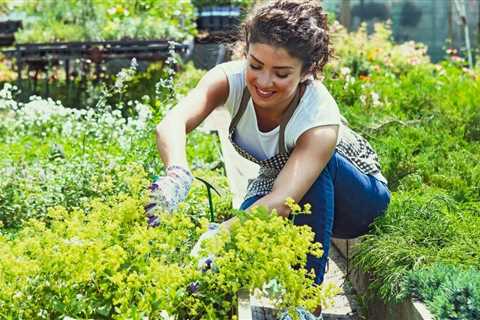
344	202
321	197
248	202
359	199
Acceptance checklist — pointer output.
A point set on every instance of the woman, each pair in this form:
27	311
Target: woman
286	122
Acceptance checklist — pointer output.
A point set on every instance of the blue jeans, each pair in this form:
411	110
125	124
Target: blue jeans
344	201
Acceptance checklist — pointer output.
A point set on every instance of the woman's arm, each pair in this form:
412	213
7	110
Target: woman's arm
211	92
311	154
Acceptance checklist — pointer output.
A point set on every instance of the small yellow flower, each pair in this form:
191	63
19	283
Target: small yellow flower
296	208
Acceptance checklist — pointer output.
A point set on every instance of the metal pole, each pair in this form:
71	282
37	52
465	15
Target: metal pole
19	67
47	75
346	14
67	78
460	6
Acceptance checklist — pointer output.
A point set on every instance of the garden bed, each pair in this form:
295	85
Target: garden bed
74	179
376	308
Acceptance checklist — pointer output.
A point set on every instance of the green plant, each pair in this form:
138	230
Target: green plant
104	262
375	51
421	227
450	292
245	4
50	21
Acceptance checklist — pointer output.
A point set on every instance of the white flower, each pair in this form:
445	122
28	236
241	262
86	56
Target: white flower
124	142
67	128
134	63
74	241
39	111
363	99
42	313
376	99
165	316
345	71
144	113
109	119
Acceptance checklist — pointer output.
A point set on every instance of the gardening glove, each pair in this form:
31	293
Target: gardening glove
167	192
205	263
302	315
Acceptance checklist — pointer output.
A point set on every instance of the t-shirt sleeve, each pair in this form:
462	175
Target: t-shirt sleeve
317	109
235	71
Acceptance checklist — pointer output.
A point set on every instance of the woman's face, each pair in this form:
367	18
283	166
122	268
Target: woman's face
272	76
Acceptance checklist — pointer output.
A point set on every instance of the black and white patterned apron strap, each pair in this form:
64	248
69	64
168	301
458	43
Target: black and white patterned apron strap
286	117
241	110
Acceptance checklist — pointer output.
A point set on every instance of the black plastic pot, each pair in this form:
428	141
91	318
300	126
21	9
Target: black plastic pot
7	31
10	26
222	18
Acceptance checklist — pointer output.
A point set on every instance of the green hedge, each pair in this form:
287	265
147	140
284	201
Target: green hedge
71	20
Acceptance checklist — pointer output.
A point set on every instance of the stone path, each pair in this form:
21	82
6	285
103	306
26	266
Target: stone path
239	170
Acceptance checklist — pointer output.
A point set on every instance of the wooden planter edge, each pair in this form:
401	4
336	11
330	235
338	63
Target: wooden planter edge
411	309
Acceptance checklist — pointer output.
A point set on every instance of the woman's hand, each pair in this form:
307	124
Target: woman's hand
167	192
213	229
205	263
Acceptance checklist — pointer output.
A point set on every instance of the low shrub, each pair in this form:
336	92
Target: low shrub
106	263
421	227
450	292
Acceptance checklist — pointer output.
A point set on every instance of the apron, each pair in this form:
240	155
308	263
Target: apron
351	145
269	168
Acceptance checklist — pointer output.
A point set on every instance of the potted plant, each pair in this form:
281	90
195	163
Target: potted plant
219	15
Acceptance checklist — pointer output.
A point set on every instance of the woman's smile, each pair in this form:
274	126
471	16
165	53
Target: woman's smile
264	94
272	77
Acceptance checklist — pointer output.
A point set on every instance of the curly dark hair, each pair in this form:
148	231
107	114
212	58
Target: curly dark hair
299	26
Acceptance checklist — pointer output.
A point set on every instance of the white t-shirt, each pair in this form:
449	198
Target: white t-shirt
316	108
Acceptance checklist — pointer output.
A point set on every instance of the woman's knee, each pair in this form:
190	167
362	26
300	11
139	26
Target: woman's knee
323	183
354	216
247	203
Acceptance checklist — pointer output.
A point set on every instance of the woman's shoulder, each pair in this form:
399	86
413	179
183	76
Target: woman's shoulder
321	94
235	71
317	99
235	67
317	108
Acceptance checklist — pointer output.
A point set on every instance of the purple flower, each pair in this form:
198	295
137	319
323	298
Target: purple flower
153	221
193	287
207	264
153	186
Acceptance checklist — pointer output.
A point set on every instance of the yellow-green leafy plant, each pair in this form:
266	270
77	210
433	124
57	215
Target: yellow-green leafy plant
104	262
260	249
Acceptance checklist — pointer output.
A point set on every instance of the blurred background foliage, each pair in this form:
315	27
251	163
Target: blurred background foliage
98	20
